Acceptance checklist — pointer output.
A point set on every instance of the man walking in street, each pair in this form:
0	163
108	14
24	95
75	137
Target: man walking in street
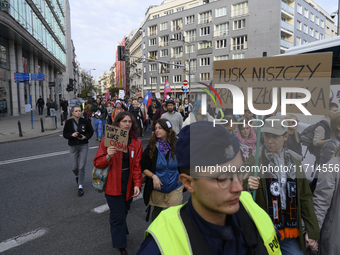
40	104
64	109
218	218
174	117
78	131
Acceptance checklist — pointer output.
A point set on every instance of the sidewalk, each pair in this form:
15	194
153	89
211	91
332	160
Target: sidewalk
9	130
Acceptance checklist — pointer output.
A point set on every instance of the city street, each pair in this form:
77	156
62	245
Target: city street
40	210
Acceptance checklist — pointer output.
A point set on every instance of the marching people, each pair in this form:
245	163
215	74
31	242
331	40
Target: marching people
51	105
40	104
162	187
87	114
124	180
284	194
152	109
174	117
247	138
196	115
97	110
138	115
78	131
117	110
187	108
218	218
64	108
109	108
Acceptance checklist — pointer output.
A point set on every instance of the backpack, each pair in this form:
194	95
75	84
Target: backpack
307	136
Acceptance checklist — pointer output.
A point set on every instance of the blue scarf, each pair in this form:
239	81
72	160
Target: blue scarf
164	146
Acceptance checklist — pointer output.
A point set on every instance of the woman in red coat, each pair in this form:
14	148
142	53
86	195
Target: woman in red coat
124	179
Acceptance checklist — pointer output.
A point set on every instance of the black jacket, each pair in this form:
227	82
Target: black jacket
149	164
84	128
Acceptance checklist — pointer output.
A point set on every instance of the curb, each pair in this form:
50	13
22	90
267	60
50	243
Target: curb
30	138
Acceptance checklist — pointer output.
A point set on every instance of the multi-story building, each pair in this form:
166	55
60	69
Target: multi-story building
203	31
35	37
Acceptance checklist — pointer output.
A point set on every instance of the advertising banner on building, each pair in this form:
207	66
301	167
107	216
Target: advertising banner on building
121	70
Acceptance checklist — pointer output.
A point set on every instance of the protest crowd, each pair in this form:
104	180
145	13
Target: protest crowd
276	211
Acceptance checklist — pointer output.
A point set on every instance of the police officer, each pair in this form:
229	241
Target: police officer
219	217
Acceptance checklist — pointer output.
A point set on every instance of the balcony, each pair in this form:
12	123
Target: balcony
180	55
287	8
242	46
286	44
203	21
204	51
163	44
287	27
239	12
176	28
164	70
220	33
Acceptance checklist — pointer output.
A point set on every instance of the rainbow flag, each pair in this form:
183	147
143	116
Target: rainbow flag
167	88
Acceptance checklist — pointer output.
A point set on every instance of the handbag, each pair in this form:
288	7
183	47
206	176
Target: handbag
99	178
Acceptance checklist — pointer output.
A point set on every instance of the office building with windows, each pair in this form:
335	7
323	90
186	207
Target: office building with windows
35	37
200	32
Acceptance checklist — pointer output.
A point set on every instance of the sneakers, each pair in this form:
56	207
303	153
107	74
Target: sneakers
80	192
97	138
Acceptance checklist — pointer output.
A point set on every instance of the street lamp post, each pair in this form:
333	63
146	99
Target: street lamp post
91	83
189	44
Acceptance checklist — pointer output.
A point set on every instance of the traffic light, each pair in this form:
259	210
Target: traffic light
70	85
68	88
121	53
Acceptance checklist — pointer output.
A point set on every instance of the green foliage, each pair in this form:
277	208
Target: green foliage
84	93
113	91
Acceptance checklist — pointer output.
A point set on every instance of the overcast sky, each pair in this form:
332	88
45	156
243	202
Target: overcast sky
98	26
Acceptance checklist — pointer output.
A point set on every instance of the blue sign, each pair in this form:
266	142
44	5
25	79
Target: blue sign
185	90
26	77
37	76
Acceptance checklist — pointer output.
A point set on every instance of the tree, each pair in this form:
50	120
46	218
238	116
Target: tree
113	92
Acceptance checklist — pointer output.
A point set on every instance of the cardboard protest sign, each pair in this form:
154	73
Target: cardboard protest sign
158	94
115	136
308	71
121	94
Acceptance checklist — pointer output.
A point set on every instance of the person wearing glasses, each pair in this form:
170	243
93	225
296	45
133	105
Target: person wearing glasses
282	190
124	180
219	217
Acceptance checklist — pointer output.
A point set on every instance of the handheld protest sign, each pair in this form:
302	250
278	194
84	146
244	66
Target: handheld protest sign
115	136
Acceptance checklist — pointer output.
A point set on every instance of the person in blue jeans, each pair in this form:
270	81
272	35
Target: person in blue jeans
97	110
163	188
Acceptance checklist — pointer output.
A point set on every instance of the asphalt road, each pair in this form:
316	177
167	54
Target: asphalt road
40	211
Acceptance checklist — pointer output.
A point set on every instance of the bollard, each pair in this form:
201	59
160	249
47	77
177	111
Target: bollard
56	121
61	120
42	125
20	132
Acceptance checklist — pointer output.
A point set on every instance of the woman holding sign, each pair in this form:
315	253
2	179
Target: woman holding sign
162	188
124	180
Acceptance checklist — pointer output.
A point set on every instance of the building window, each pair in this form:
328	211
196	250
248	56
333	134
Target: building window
177	52
312	17
205	76
164	53
177	78
143	45
238	56
305	42
298	41
176	25
193	65
322	24
239	9
311	32
152	42
153	67
239	24
299	9
220	44
321	36
205	61
305	29
144	69
180	9
223	57
299	25
221	29
155	16
164	78
177	63
143	33
168	12
144	82
153	80
190	35
164	41
221	12
190	48
164	68
205	17
317	35
177	36
204	45
317	20
239	43
163	26
153	54
152	30
306	14
205	31
190	19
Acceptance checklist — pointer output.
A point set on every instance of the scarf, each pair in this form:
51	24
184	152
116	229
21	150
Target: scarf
187	106
281	190
164	146
247	146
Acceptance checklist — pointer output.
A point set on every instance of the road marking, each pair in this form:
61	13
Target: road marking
24	238
104	208
11	161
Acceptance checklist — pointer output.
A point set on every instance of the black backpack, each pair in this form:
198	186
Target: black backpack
307	136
